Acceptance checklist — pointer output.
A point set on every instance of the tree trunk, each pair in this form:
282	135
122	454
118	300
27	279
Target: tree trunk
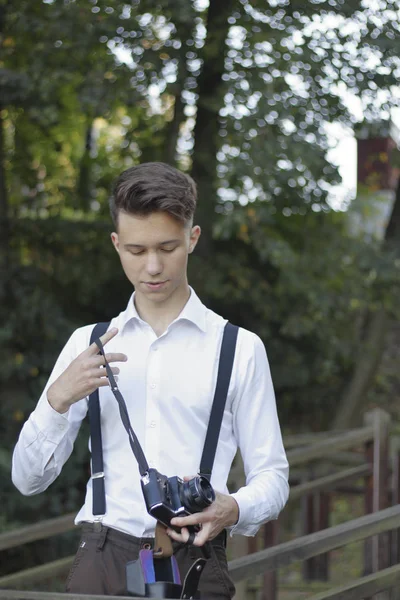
206	143
351	404
4	208
84	186
392	233
169	154
184	29
350	410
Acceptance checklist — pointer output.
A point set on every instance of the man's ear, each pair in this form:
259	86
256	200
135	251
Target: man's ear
115	241
194	237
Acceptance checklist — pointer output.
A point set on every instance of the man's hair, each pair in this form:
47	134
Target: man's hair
154	187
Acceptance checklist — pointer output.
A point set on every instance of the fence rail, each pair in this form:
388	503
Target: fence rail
33	575
21	595
38	531
329	482
316	543
363	587
324	448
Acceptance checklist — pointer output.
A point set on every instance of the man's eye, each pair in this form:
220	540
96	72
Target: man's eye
168	249
137	252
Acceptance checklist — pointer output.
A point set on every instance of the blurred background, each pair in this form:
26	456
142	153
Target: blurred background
286	115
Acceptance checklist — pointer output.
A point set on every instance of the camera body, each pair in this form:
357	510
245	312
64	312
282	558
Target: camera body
169	497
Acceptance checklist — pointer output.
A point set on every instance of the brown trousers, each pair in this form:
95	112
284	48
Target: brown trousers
99	565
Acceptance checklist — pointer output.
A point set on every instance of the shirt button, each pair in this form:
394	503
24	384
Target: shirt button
155	349
153	424
152	385
61	426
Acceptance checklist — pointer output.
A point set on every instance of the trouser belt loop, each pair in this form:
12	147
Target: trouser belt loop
102	538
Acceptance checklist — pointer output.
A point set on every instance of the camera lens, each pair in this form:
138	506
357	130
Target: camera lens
197	494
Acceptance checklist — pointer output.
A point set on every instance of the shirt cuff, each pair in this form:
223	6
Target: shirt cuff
52	424
245	524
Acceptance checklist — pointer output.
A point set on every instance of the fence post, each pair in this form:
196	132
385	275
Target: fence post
253	587
376	549
322	562
394	535
395	496
308	512
270	583
315	509
239	547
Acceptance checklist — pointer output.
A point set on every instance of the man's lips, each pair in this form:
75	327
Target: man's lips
155	285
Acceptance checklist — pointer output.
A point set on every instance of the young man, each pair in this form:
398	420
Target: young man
165	349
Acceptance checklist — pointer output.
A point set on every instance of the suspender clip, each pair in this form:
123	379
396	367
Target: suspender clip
97	524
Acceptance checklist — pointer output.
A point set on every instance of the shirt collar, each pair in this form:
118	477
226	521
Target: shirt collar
193	311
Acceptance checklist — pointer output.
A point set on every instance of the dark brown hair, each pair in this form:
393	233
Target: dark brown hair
153	187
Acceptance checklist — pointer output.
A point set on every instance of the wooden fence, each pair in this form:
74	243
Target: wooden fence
376	463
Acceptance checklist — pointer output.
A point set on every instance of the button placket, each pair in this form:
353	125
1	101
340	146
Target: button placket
152	407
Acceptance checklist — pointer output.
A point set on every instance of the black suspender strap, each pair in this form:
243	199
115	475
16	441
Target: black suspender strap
226	358
99	494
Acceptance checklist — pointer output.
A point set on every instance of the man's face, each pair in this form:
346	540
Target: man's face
154	251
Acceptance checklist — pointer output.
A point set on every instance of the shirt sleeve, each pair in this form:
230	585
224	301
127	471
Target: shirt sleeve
257	430
47	438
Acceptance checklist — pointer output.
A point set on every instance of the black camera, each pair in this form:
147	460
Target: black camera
169	497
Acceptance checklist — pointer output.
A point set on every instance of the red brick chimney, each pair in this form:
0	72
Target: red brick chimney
375	164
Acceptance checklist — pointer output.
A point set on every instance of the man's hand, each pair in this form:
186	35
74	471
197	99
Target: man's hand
83	376
223	512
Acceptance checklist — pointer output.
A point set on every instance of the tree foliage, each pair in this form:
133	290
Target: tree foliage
239	94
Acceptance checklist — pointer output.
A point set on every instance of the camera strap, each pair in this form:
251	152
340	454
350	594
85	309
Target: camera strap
227	355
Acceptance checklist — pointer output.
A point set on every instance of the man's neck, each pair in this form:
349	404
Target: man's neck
159	315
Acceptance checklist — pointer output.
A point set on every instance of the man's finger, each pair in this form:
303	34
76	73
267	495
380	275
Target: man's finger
102	373
93	348
202	537
195	519
181	536
111	357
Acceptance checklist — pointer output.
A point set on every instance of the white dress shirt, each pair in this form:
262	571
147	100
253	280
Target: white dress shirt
168	385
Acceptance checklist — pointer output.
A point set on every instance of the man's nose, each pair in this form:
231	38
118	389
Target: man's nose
154	264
